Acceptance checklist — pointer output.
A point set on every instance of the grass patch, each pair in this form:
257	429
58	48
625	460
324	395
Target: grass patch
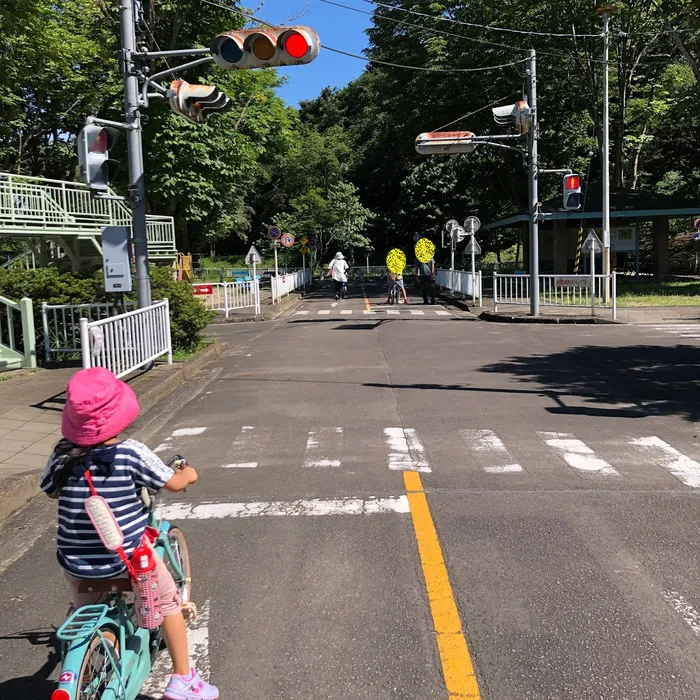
631	292
182	355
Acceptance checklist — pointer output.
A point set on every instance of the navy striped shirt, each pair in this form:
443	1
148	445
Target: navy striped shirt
118	474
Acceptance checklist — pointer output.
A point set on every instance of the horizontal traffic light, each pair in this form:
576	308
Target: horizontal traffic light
196	102
265	48
96	167
571	192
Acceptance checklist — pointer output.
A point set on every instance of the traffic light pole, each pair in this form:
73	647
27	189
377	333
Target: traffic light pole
134	144
606	12
533	194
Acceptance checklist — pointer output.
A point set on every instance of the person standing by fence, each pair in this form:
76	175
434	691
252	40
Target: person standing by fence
426	275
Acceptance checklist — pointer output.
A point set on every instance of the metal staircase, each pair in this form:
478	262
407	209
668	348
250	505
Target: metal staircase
38	209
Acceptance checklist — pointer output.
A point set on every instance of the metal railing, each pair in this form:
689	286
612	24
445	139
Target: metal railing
286	284
61	324
33	205
129	341
25	260
558	290
460	282
17	335
228	296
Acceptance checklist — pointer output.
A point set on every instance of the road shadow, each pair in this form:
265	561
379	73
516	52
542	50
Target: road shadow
38	685
656	380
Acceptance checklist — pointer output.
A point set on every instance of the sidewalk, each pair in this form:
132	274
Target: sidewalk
30	423
562	314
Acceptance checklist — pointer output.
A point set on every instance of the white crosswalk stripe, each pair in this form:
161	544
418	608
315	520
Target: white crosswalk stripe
390	312
246	448
682	467
490	452
405	450
324	447
577	454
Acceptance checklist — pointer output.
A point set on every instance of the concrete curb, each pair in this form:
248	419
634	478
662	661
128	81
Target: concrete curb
570	320
459	303
18	490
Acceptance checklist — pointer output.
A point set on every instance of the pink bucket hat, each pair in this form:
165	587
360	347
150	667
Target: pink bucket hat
98	407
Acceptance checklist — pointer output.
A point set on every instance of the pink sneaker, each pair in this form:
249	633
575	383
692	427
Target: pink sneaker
190	687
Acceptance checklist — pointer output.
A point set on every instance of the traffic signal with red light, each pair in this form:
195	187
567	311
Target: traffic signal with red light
96	167
196	102
572	192
265	48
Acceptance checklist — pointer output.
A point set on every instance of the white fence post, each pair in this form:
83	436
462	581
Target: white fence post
495	292
168	332
85	342
45	326
226	304
28	332
614	295
481	290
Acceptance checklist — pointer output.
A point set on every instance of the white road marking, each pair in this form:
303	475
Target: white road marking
324	312
301	313
491	454
367	311
684	468
334	304
684	609
314	506
346	312
406	451
442	312
417	312
393	312
324	447
183	432
198	647
163	446
246	447
577	454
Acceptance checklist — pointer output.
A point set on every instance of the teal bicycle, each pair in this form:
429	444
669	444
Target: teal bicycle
104	653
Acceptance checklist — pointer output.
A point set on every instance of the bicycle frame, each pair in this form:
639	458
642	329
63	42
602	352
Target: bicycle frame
134	664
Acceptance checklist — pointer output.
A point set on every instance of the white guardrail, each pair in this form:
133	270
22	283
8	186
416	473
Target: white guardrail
17	319
286	284
557	290
460	281
129	341
228	296
61	324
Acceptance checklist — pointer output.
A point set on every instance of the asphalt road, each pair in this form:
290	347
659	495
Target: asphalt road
560	464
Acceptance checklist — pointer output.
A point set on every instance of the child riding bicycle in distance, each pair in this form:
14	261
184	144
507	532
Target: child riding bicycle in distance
98	408
397	279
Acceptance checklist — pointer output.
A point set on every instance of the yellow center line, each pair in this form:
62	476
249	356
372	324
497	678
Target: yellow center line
457	667
364	294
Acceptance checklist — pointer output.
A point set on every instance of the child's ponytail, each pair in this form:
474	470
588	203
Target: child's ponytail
74	456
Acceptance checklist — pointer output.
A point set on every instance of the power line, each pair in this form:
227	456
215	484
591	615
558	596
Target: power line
482	26
476	111
426	68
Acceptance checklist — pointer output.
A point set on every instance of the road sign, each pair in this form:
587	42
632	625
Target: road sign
696	224
275	244
287	240
303	249
274	232
202	289
445	142
458	233
592	242
578	282
450	225
472	224
304	240
696	237
253	256
472	246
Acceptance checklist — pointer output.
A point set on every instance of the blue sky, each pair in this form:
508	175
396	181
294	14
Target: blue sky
339	28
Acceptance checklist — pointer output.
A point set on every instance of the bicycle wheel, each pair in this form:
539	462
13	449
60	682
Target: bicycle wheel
97	669
181	554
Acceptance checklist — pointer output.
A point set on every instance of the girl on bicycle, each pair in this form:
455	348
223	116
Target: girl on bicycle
98	408
396	280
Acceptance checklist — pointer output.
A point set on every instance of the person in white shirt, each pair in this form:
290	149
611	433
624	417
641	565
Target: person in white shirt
338	270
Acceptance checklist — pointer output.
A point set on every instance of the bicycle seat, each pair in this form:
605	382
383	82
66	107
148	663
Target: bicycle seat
104	585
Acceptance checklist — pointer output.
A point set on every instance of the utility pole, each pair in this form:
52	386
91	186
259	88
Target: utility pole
606	12
533	194
127	25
